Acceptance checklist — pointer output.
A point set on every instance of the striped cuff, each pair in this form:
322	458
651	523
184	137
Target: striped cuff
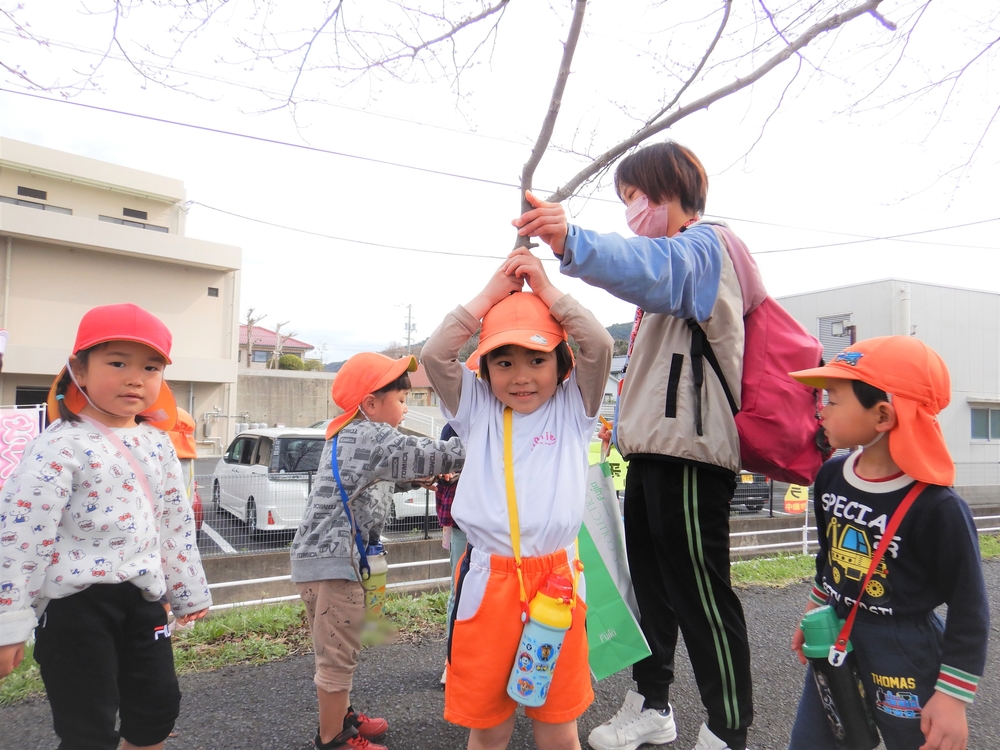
957	684
818	596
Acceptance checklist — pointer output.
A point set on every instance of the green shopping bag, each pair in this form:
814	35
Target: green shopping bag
613	634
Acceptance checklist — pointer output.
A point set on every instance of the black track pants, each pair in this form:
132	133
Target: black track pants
677	532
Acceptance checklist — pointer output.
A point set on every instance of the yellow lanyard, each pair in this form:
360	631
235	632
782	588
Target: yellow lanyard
515	525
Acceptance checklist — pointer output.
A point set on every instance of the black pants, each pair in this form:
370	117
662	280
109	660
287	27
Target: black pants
105	652
677	533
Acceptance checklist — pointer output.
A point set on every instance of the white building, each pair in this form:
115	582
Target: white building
76	233
962	325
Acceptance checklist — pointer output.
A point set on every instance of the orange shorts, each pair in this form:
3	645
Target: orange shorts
485	634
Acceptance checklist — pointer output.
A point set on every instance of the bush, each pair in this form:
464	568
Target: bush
314	365
291	362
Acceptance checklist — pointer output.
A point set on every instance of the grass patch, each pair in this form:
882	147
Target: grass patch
775	572
256	635
23	682
989	546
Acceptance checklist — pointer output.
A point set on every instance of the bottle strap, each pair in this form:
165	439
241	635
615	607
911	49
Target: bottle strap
838	652
515	525
140	474
364	570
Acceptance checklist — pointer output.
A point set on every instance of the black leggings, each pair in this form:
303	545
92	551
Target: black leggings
105	652
677	535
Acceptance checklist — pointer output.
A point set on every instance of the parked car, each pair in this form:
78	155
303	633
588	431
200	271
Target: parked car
408	507
265	476
753	491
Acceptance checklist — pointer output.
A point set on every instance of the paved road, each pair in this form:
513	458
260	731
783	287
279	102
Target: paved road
273	706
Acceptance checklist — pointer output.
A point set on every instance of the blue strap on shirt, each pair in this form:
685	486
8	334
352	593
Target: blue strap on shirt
363	567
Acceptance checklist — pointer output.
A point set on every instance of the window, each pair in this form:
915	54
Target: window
33	204
985	424
246	454
298	454
213	291
136	224
134	213
25	395
32	193
263	452
259	355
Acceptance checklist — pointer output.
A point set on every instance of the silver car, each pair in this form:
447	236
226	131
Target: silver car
265	476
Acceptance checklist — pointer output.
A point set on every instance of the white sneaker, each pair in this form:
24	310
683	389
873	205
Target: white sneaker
632	726
708	741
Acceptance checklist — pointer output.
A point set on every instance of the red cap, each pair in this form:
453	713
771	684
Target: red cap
557	587
362	374
917	381
125	322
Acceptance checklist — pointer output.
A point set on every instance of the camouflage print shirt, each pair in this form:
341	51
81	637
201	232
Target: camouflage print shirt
374	460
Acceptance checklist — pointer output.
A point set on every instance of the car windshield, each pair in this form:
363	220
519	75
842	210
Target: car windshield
298	454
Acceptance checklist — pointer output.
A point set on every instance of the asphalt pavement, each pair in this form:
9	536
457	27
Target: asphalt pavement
274	706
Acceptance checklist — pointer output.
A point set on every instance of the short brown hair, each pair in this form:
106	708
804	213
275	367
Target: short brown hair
665	171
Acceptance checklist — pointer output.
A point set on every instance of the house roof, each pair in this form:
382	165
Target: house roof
265	338
418	378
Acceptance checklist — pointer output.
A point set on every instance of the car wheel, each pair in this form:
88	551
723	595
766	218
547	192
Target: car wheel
216	496
252	518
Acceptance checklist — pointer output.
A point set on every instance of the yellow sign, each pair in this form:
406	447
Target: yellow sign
619	466
796	498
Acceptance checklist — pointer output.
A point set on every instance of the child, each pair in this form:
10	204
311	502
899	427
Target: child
526	370
371	458
884	395
97	528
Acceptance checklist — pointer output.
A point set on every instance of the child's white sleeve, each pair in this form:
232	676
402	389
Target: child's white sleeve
31	508
183	575
439	355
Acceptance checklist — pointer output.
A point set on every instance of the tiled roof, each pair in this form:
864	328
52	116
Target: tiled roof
265	338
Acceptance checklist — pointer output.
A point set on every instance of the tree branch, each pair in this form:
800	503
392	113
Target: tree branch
555	102
827	24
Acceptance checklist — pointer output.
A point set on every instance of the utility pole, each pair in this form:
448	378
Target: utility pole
409	326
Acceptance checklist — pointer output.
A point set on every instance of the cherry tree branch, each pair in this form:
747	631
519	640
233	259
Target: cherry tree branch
555	102
827	24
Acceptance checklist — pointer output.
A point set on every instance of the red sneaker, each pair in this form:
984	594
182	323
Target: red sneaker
349	739
368	727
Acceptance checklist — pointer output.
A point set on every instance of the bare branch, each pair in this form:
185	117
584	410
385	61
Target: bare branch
555	102
827	24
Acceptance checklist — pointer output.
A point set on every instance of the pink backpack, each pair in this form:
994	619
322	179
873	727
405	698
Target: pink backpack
778	421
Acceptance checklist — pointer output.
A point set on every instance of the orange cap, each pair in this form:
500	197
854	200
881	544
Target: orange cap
182	435
522	319
125	322
362	374
917	381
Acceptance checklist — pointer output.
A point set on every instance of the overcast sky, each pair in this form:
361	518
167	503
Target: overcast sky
815	175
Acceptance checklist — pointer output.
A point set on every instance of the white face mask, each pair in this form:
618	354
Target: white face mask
646	220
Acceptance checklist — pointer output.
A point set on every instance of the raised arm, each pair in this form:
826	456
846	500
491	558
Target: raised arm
439	355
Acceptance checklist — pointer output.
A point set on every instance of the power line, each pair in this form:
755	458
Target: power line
890	237
344	239
442	173
270	141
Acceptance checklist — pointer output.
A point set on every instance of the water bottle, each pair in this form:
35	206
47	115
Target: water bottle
550	615
374	584
840	688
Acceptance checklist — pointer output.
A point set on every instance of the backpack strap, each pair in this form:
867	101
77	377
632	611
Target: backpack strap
702	349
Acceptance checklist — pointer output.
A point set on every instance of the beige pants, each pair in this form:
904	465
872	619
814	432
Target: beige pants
336	611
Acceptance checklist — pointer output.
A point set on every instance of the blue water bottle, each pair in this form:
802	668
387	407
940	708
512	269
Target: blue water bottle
550	615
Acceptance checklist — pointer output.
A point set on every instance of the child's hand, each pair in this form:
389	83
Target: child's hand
10	658
943	723
522	264
547	221
185	619
799	638
497	288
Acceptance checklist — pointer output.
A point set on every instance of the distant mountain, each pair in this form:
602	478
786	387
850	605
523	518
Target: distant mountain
620	331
